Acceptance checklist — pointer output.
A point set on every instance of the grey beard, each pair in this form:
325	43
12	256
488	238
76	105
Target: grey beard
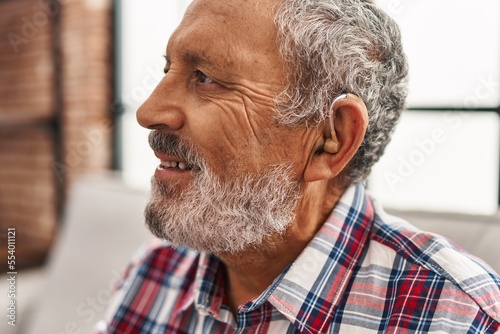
227	216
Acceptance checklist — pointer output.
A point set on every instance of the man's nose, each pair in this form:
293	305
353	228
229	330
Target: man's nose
163	110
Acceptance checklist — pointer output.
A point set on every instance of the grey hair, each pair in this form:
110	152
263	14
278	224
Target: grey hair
331	47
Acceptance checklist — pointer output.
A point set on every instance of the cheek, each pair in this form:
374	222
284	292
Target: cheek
222	131
238	136
238	119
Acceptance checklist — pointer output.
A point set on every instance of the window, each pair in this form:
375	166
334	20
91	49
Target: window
445	153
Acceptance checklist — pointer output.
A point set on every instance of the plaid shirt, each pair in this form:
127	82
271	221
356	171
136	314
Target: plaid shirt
364	272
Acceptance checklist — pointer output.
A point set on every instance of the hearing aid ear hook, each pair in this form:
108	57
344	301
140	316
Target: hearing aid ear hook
332	144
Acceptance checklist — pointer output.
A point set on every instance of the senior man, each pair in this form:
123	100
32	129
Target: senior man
269	117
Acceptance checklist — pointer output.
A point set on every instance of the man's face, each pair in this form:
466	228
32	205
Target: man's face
217	98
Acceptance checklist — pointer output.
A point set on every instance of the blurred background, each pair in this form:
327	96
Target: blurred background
75	166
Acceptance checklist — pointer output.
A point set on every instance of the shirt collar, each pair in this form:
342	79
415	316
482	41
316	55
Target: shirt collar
206	292
209	285
314	285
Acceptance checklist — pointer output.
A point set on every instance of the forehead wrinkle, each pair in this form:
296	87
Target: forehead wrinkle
183	44
207	25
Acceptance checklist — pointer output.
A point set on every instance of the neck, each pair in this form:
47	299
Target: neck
251	272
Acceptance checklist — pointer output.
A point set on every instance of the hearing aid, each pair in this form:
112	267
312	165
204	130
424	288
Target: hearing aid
332	144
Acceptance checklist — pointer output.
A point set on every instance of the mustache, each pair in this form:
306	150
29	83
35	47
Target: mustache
172	145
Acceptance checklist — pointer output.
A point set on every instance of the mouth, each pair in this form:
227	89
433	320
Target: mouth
175	165
171	163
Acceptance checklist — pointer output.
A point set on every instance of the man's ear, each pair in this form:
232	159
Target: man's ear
349	117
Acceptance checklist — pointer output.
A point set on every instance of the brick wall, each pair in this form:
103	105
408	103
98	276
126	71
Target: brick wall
27	191
86	39
26	68
55	117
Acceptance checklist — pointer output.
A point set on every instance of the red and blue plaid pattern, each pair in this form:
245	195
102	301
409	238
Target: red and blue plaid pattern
364	272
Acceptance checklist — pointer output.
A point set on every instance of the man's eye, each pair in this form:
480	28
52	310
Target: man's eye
203	78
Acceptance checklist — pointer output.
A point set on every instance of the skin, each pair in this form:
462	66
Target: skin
222	74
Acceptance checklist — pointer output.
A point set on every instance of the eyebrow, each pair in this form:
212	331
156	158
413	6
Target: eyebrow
197	59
